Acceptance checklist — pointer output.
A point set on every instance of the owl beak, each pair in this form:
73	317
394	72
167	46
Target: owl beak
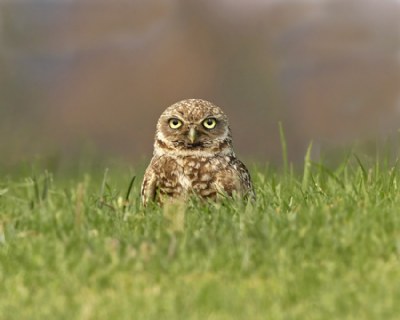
192	135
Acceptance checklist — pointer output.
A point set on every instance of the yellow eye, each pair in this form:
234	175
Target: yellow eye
209	123
175	123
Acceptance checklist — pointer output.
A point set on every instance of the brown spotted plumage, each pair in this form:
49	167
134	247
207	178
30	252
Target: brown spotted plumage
193	154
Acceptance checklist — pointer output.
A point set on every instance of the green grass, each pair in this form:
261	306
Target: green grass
324	244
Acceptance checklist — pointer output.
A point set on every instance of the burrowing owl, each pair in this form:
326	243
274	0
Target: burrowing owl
193	154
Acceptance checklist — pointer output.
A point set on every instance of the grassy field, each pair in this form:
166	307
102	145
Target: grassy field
323	244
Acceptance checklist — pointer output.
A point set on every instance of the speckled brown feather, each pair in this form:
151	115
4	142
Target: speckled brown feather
179	169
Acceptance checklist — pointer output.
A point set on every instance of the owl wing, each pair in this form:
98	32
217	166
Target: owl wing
245	179
148	190
235	178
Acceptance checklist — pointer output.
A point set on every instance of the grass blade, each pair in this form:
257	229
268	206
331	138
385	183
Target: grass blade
128	192
46	185
103	183
36	190
307	166
364	172
102	188
284	148
329	173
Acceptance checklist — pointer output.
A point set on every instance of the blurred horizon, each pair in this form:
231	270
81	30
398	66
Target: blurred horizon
98	73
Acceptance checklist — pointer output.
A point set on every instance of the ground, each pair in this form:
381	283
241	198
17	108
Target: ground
323	244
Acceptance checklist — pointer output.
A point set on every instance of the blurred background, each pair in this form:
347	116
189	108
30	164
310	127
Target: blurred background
78	74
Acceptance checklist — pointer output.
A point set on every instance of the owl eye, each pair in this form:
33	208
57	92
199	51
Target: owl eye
175	123
210	123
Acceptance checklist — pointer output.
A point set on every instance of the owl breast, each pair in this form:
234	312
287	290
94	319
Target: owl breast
179	176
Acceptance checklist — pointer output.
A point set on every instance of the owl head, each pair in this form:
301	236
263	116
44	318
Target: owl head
193	127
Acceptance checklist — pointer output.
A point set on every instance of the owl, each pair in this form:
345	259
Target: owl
193	155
